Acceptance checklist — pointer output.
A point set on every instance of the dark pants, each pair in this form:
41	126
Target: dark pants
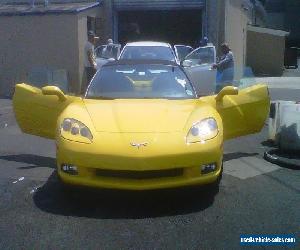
90	72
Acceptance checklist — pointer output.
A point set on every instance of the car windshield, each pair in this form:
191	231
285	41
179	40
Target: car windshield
148	52
140	81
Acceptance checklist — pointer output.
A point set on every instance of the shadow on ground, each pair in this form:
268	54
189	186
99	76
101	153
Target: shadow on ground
237	155
110	204
34	161
268	143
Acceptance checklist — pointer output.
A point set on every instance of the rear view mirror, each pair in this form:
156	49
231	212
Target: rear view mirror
228	90
53	90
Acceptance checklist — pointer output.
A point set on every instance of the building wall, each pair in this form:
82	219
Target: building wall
227	22
284	15
28	41
82	39
108	19
236	20
265	53
275	20
215	13
292	21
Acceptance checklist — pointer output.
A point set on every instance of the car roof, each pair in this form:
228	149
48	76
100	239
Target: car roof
148	43
144	61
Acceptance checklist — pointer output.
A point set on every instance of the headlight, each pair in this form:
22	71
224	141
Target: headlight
74	130
202	131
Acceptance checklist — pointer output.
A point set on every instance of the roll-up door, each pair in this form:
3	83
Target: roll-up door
120	5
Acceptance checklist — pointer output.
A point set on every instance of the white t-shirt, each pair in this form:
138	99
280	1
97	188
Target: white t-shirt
89	47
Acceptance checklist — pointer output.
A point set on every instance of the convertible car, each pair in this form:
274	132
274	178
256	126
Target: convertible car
140	126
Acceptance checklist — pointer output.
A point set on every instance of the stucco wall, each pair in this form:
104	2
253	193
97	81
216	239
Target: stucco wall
275	20
236	20
265	53
215	13
82	38
227	22
29	41
292	19
107	13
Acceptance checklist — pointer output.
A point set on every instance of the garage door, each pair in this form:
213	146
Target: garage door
157	4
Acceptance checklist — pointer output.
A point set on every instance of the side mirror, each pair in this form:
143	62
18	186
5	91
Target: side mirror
53	90
228	90
186	63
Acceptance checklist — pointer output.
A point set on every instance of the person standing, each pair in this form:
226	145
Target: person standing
225	68
201	42
90	63
108	49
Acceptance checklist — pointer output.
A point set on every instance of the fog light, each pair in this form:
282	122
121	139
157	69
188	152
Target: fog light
207	168
69	169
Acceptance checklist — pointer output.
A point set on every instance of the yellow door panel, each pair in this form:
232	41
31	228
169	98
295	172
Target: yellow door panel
36	113
246	112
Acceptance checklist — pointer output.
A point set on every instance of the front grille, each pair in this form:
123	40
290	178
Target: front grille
138	175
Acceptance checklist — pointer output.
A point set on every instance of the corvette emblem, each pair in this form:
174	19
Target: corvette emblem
138	145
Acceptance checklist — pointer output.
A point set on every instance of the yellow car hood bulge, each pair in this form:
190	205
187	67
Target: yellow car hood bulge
139	116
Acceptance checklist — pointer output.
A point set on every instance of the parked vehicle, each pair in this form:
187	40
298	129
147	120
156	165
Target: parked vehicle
107	53
197	63
148	50
140	126
198	66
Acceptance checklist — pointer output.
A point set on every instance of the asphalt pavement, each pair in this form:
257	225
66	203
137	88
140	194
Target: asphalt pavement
254	197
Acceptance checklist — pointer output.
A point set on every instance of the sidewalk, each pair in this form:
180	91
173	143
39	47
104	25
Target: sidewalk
292	72
6	113
280	82
289	80
5	103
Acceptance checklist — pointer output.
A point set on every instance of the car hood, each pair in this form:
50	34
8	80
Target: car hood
139	116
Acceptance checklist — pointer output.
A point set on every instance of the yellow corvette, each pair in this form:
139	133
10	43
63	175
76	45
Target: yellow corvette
140	126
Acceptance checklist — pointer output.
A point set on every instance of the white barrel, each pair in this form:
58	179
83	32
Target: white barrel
289	126
274	119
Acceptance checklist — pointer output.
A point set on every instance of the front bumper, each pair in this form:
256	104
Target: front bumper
121	166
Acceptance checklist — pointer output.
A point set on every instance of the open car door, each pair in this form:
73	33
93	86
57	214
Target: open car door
198	66
182	51
244	113
37	113
107	53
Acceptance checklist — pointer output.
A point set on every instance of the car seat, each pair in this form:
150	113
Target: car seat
165	83
114	83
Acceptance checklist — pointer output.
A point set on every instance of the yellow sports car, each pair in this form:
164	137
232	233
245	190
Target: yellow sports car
140	126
